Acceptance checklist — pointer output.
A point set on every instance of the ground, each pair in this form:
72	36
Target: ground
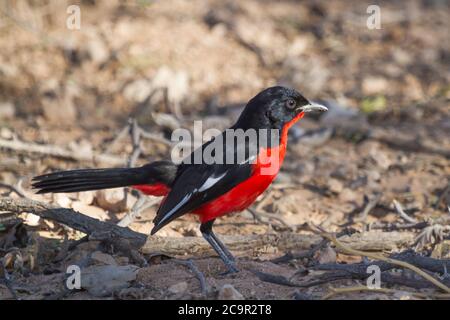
169	63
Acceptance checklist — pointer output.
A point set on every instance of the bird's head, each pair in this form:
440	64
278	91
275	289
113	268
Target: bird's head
276	107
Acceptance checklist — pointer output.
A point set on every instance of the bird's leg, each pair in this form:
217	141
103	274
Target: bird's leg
218	246
223	247
207	228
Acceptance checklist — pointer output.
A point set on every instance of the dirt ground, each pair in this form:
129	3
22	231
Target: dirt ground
384	140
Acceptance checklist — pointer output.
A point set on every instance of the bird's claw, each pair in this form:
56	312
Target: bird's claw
231	270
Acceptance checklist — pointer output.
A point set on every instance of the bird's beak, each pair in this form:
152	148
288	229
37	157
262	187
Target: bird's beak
313	107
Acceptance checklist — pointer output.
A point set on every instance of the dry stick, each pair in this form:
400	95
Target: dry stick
155	137
442	196
122	134
72	219
402	213
376	256
336	291
410	256
133	130
13	189
308	253
339	274
431	234
136	132
56	151
200	276
371	240
255	244
371	204
141	204
274	278
359	270
396	226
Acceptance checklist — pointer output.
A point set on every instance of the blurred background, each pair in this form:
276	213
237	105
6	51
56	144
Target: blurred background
168	63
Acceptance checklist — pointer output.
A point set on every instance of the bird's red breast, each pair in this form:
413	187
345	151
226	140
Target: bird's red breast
243	195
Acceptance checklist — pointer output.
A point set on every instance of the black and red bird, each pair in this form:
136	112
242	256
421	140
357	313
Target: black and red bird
209	190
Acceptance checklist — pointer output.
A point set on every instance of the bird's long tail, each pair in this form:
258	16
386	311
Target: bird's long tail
161	172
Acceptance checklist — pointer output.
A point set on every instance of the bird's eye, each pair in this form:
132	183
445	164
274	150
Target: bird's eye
290	104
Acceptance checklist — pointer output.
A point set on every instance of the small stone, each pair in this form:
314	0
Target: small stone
441	250
60	111
401	295
335	186
83	147
166	120
326	255
104	258
32	220
348	195
62	200
98	51
102	281
381	158
374	175
228	292
138	90
7	110
374	85
87	197
179	287
111	199
176	82
6	133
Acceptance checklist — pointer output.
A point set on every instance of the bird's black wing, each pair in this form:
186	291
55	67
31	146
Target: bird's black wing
197	184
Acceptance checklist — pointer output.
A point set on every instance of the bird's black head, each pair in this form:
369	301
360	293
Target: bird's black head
275	107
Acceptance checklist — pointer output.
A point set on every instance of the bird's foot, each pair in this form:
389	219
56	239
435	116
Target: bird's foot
232	269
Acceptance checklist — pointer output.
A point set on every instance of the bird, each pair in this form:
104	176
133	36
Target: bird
209	189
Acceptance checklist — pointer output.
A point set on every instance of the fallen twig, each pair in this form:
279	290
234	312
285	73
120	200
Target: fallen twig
71	218
243	245
200	276
12	189
335	291
427	263
308	253
56	151
442	196
371	204
273	278
358	271
255	244
402	213
376	256
431	234
142	203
